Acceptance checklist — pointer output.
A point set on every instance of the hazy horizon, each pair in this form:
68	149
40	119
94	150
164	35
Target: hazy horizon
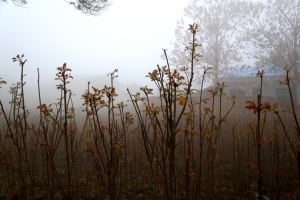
129	36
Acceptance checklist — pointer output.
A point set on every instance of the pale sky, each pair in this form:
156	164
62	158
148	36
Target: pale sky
128	36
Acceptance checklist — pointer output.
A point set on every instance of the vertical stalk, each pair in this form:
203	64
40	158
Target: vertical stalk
258	143
69	191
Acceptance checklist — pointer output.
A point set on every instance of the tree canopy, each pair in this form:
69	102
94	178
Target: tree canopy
231	32
220	33
274	33
91	7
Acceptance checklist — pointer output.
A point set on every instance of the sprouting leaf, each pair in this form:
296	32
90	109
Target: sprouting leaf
251	106
181	100
70	116
2	82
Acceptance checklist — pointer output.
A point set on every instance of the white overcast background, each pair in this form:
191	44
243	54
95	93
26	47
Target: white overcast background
128	36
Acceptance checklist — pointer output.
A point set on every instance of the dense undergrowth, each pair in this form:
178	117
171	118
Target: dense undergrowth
185	143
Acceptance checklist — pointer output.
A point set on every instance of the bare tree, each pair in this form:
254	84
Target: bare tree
274	32
220	32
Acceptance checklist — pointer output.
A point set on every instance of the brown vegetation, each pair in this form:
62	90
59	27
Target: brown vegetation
175	146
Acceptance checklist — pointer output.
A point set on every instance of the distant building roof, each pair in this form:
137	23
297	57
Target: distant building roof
251	72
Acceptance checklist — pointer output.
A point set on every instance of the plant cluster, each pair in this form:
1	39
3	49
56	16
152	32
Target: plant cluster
185	143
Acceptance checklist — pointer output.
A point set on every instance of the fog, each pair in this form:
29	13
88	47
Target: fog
222	123
128	36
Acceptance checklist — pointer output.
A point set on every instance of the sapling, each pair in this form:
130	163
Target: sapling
294	147
169	84
259	108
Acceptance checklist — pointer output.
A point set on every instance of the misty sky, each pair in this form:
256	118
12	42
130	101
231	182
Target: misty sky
128	36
